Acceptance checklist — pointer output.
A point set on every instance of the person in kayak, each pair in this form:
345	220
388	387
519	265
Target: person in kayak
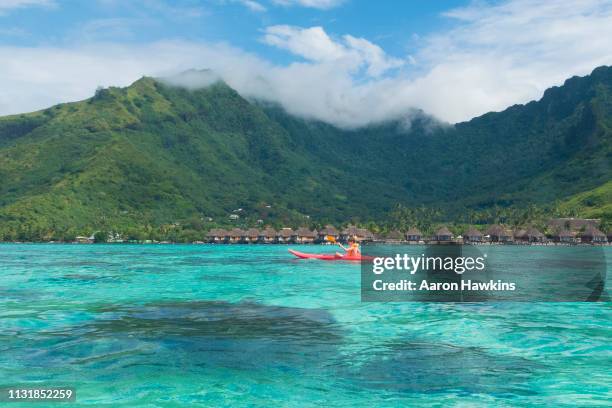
353	248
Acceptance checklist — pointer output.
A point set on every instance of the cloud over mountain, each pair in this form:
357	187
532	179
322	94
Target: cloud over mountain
315	45
492	56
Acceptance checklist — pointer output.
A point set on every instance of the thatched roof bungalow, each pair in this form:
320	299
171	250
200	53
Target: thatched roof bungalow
305	235
472	235
497	233
216	235
236	235
394	236
573	224
360	234
348	232
285	235
329	230
268	235
494	232
520	235
443	234
593	235
252	235
366	235
413	235
534	235
566	236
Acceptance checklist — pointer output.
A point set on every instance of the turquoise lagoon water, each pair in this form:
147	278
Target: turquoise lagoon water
200	325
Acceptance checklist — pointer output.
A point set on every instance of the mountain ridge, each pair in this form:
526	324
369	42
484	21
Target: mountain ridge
152	154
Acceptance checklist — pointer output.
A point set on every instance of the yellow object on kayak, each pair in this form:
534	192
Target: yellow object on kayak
330	238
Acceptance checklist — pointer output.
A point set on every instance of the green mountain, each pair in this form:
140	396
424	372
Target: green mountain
595	203
153	155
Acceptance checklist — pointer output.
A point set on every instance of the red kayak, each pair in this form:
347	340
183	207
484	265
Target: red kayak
330	257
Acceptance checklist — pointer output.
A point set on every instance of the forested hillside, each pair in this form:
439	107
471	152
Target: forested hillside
153	155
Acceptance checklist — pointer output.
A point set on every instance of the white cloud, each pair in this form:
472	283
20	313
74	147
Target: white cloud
509	53
318	4
374	56
311	43
6	5
192	79
253	5
494	57
107	28
34	78
315	45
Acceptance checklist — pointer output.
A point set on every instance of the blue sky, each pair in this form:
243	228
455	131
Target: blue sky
393	25
348	62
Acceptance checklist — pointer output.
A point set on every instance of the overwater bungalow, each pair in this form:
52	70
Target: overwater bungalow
216	235
520	235
494	231
366	235
507	237
394	236
413	235
593	235
329	230
534	235
497	233
236	236
443	235
472	235
286	236
360	234
305	236
252	235
267	236
348	232
566	236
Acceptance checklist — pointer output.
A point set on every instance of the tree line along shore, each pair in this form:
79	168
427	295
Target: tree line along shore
557	231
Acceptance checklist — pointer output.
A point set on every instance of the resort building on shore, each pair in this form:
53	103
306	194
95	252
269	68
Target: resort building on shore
573	224
413	235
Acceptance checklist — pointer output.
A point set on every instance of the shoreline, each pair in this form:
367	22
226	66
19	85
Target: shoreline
433	243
